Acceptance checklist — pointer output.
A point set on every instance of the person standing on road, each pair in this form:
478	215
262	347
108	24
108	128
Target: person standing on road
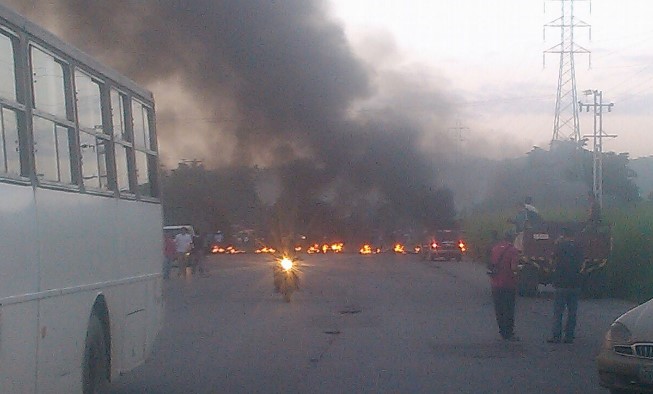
503	279
566	279
183	245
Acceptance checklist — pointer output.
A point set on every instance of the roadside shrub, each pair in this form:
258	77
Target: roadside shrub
630	268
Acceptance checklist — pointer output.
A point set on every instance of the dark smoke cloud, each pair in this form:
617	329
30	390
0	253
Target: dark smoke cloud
280	82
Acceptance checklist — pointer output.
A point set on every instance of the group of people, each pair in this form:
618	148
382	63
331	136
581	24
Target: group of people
180	251
566	279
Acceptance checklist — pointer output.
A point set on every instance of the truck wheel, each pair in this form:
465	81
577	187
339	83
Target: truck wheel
95	372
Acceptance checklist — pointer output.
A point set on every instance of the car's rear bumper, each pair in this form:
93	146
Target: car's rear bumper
446	254
622	372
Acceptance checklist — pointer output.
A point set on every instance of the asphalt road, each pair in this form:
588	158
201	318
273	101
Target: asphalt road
361	324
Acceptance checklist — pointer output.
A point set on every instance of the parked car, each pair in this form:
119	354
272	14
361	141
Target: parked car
625	363
445	245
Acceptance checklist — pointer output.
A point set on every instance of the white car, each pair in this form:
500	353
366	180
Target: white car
625	363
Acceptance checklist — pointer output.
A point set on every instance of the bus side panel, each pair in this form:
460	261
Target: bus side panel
140	237
19	268
76	233
61	343
18	324
75	242
141	252
124	243
19	259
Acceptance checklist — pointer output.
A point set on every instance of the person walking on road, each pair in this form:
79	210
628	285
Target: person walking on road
503	280
183	244
566	279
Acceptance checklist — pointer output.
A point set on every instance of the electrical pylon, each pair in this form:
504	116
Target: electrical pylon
566	124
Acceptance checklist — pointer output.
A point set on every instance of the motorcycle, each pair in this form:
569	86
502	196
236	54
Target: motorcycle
286	277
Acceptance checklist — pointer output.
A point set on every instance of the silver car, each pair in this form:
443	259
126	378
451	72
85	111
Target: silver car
625	362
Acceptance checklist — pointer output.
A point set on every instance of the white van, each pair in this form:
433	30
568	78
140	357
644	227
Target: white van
172	231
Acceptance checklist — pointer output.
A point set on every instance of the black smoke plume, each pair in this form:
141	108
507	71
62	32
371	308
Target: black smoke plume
274	84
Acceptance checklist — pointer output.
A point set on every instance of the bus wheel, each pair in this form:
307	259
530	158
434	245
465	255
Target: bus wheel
96	358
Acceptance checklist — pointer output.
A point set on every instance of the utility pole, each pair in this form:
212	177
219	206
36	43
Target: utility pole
458	136
566	125
598	135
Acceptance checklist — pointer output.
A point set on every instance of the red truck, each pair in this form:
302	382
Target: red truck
536	265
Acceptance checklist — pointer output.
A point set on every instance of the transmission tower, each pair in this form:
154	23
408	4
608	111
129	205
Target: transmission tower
566	125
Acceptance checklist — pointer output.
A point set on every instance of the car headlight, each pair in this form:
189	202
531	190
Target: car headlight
618	334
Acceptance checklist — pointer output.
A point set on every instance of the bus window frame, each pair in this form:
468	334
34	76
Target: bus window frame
103	135
69	122
20	107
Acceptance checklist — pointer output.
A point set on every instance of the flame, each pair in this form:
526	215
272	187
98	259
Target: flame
265	249
399	248
417	249
315	248
368	249
337	247
462	246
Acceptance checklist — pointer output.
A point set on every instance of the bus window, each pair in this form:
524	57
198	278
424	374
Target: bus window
52	151
142	174
89	105
122	168
48	84
140	116
92	141
9	151
118	116
93	157
122	141
9	145
7	69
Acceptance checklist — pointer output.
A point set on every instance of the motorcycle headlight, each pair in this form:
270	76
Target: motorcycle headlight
286	263
618	334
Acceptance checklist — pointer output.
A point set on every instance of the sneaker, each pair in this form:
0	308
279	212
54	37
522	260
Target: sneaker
553	340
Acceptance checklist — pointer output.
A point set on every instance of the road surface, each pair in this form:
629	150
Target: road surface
361	324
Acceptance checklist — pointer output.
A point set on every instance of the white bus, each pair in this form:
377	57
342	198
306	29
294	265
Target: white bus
80	217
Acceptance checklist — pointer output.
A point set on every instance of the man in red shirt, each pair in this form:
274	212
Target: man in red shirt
503	279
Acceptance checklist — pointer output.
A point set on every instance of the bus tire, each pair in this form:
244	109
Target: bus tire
95	370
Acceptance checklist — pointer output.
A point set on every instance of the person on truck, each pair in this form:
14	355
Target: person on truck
594	217
527	217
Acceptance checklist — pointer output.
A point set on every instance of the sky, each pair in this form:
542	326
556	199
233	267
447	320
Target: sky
489	55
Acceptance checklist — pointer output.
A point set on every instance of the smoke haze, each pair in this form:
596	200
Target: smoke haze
275	84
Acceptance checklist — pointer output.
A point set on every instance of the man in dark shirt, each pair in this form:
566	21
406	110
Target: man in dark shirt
567	260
